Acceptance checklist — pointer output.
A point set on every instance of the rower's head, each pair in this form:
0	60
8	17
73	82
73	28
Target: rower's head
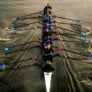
49	36
46	30
48	4
49	62
45	46
49	46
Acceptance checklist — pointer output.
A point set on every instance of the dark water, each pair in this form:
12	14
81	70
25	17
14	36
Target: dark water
80	9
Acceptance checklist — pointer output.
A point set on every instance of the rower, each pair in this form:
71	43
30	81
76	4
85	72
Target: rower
48	54
46	32
47	9
47	40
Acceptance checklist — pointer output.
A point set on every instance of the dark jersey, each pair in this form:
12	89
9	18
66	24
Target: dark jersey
48	54
45	34
48	51
48	68
47	41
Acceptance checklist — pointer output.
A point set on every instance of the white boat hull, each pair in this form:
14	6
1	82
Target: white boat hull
48	76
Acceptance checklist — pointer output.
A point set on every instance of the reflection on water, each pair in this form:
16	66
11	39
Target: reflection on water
12	8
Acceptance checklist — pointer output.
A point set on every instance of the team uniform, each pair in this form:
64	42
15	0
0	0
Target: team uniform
46	34
47	41
48	54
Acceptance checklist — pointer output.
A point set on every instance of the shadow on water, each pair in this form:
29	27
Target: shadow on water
5	87
12	82
20	88
17	89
